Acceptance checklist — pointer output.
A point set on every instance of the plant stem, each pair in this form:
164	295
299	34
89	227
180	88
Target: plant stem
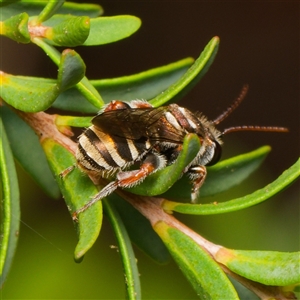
151	207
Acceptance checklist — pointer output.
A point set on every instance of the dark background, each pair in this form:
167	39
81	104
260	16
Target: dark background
259	46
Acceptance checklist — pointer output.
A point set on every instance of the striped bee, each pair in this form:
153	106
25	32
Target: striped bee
128	133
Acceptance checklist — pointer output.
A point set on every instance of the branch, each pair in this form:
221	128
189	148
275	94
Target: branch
151	207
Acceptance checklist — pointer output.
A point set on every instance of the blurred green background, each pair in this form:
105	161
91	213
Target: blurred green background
259	46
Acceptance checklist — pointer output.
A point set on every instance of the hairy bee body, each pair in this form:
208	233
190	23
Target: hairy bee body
125	133
135	133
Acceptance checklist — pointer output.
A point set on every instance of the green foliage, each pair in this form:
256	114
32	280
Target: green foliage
256	197
38	94
16	127
76	189
132	281
55	23
145	85
10	208
267	267
196	263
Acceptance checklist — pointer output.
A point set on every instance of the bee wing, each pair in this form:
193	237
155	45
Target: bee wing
129	123
138	123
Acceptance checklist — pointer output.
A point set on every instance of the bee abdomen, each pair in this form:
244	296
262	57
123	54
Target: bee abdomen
100	151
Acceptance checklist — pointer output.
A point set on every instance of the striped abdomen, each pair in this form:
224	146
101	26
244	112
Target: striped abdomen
100	151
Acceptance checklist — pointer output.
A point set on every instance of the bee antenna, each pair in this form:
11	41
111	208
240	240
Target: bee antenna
233	106
255	128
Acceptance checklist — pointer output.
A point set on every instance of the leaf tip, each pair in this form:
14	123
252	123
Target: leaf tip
78	256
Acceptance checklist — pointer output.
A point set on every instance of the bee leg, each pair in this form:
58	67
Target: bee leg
108	189
152	163
198	175
66	171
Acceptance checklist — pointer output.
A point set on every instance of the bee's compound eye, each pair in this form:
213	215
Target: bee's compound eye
217	154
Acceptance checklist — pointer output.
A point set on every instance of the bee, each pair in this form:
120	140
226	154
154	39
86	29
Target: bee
131	133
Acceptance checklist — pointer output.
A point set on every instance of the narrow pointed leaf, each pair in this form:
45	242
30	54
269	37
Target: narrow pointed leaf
140	231
90	93
267	267
191	77
10	207
30	155
16	28
144	85
77	190
129	262
106	30
162	180
204	274
49	10
222	176
285	179
71	69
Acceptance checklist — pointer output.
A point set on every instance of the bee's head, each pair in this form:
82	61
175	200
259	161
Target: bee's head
210	139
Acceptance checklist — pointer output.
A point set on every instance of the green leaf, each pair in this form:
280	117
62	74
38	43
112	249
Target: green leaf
131	272
77	190
140	230
71	69
34	8
73	121
162	180
106	30
28	94
222	176
16	28
90	93
205	275
118	88
10	207
144	85
32	94
84	86
30	154
285	179
71	31
49	10
267	267
191	77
